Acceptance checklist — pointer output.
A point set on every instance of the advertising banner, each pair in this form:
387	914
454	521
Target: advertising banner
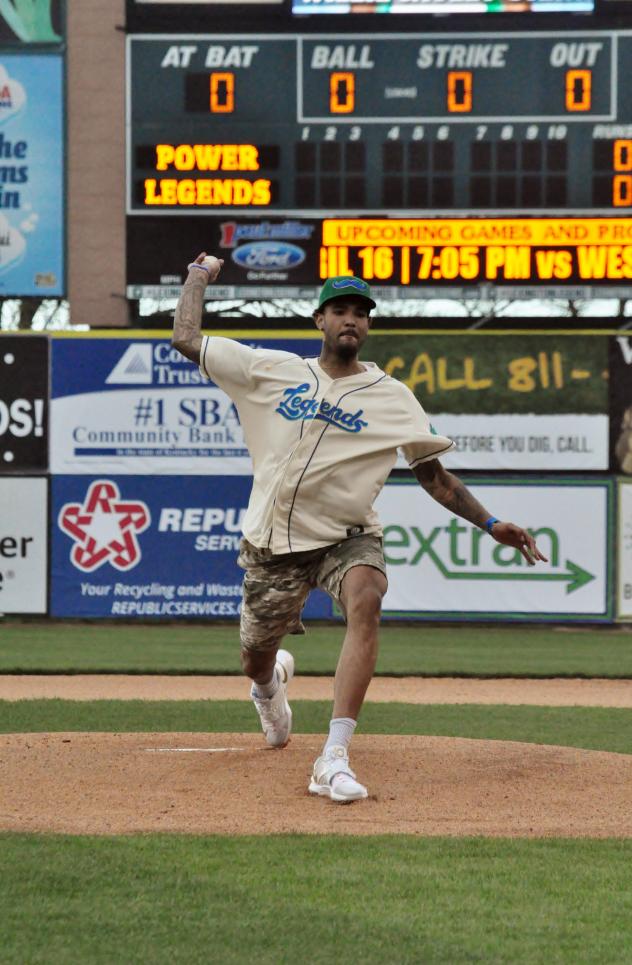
210	5
624	543
137	406
289	252
159	14
442	7
620	390
261	255
522	402
516	402
442	567
140	547
32	22
23	403
32	189
23	545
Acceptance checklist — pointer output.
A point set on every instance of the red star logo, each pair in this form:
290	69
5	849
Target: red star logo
104	528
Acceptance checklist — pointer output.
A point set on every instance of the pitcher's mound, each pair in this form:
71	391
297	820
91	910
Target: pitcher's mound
234	784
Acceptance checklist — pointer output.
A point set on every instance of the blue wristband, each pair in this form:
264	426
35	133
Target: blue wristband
490	522
195	265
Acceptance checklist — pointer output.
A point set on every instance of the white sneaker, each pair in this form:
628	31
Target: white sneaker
336	761
275	713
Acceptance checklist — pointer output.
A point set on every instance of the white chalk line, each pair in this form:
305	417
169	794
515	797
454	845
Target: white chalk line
193	750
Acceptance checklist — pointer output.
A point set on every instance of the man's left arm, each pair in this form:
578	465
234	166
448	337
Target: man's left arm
448	490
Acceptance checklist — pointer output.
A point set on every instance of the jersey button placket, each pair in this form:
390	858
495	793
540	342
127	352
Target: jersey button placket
285	491
292	475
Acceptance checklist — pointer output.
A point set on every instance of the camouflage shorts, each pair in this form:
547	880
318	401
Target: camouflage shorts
276	587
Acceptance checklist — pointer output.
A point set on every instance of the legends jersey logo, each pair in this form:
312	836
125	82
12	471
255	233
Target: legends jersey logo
295	406
104	528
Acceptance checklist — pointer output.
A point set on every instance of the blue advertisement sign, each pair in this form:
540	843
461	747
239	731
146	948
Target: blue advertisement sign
136	406
32	184
137	547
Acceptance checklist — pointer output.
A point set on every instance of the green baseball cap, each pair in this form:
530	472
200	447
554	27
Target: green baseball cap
345	286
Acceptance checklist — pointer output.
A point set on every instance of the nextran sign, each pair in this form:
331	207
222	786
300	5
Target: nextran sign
441	566
460	551
153	363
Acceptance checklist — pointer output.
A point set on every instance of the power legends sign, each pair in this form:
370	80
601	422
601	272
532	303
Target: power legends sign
442	567
464	149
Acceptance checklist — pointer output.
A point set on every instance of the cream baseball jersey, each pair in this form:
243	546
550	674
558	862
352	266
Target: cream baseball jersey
321	448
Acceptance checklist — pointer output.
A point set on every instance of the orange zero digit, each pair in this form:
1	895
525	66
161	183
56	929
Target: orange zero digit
222	93
459	91
622	155
578	90
342	93
622	191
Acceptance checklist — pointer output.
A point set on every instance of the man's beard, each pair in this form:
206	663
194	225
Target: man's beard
347	350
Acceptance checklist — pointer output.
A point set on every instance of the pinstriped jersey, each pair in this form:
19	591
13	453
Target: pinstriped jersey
321	448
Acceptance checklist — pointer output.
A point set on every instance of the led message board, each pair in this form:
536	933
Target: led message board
512	128
441	6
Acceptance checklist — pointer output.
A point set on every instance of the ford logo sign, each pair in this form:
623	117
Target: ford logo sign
270	255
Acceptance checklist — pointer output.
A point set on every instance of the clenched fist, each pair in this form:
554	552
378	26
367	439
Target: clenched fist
208	263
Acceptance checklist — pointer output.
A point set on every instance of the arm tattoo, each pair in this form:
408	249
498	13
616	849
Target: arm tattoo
464	504
450	492
188	318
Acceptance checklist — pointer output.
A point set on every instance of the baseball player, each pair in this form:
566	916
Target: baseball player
323	434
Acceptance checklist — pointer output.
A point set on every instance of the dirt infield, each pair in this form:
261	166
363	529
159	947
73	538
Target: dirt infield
234	784
557	692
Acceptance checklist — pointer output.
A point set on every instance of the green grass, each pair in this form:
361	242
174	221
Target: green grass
429	650
596	728
275	900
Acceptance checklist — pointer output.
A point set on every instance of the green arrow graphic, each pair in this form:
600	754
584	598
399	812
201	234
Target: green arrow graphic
574	576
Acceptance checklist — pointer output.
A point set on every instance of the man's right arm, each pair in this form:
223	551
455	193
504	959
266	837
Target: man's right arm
188	318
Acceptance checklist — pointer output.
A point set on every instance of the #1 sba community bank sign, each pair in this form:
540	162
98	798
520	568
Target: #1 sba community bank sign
136	407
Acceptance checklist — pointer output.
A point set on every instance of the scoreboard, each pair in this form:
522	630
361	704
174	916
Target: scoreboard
421	161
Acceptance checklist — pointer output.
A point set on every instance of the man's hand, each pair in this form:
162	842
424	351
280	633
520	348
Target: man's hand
511	535
212	265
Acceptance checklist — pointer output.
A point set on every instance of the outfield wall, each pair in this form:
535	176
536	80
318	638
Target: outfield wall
147	475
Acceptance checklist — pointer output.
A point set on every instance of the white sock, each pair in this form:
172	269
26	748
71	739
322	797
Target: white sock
340	733
266	690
